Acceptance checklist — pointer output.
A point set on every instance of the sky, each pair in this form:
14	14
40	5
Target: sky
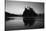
18	7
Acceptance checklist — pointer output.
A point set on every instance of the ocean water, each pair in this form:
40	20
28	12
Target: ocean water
17	23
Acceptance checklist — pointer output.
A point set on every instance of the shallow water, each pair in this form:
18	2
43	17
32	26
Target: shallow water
17	23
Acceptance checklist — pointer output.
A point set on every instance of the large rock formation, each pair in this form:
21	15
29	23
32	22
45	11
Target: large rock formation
28	16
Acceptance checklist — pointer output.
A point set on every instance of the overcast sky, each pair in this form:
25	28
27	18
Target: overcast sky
17	7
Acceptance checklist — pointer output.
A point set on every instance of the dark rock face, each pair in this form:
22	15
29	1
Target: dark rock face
28	16
41	15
